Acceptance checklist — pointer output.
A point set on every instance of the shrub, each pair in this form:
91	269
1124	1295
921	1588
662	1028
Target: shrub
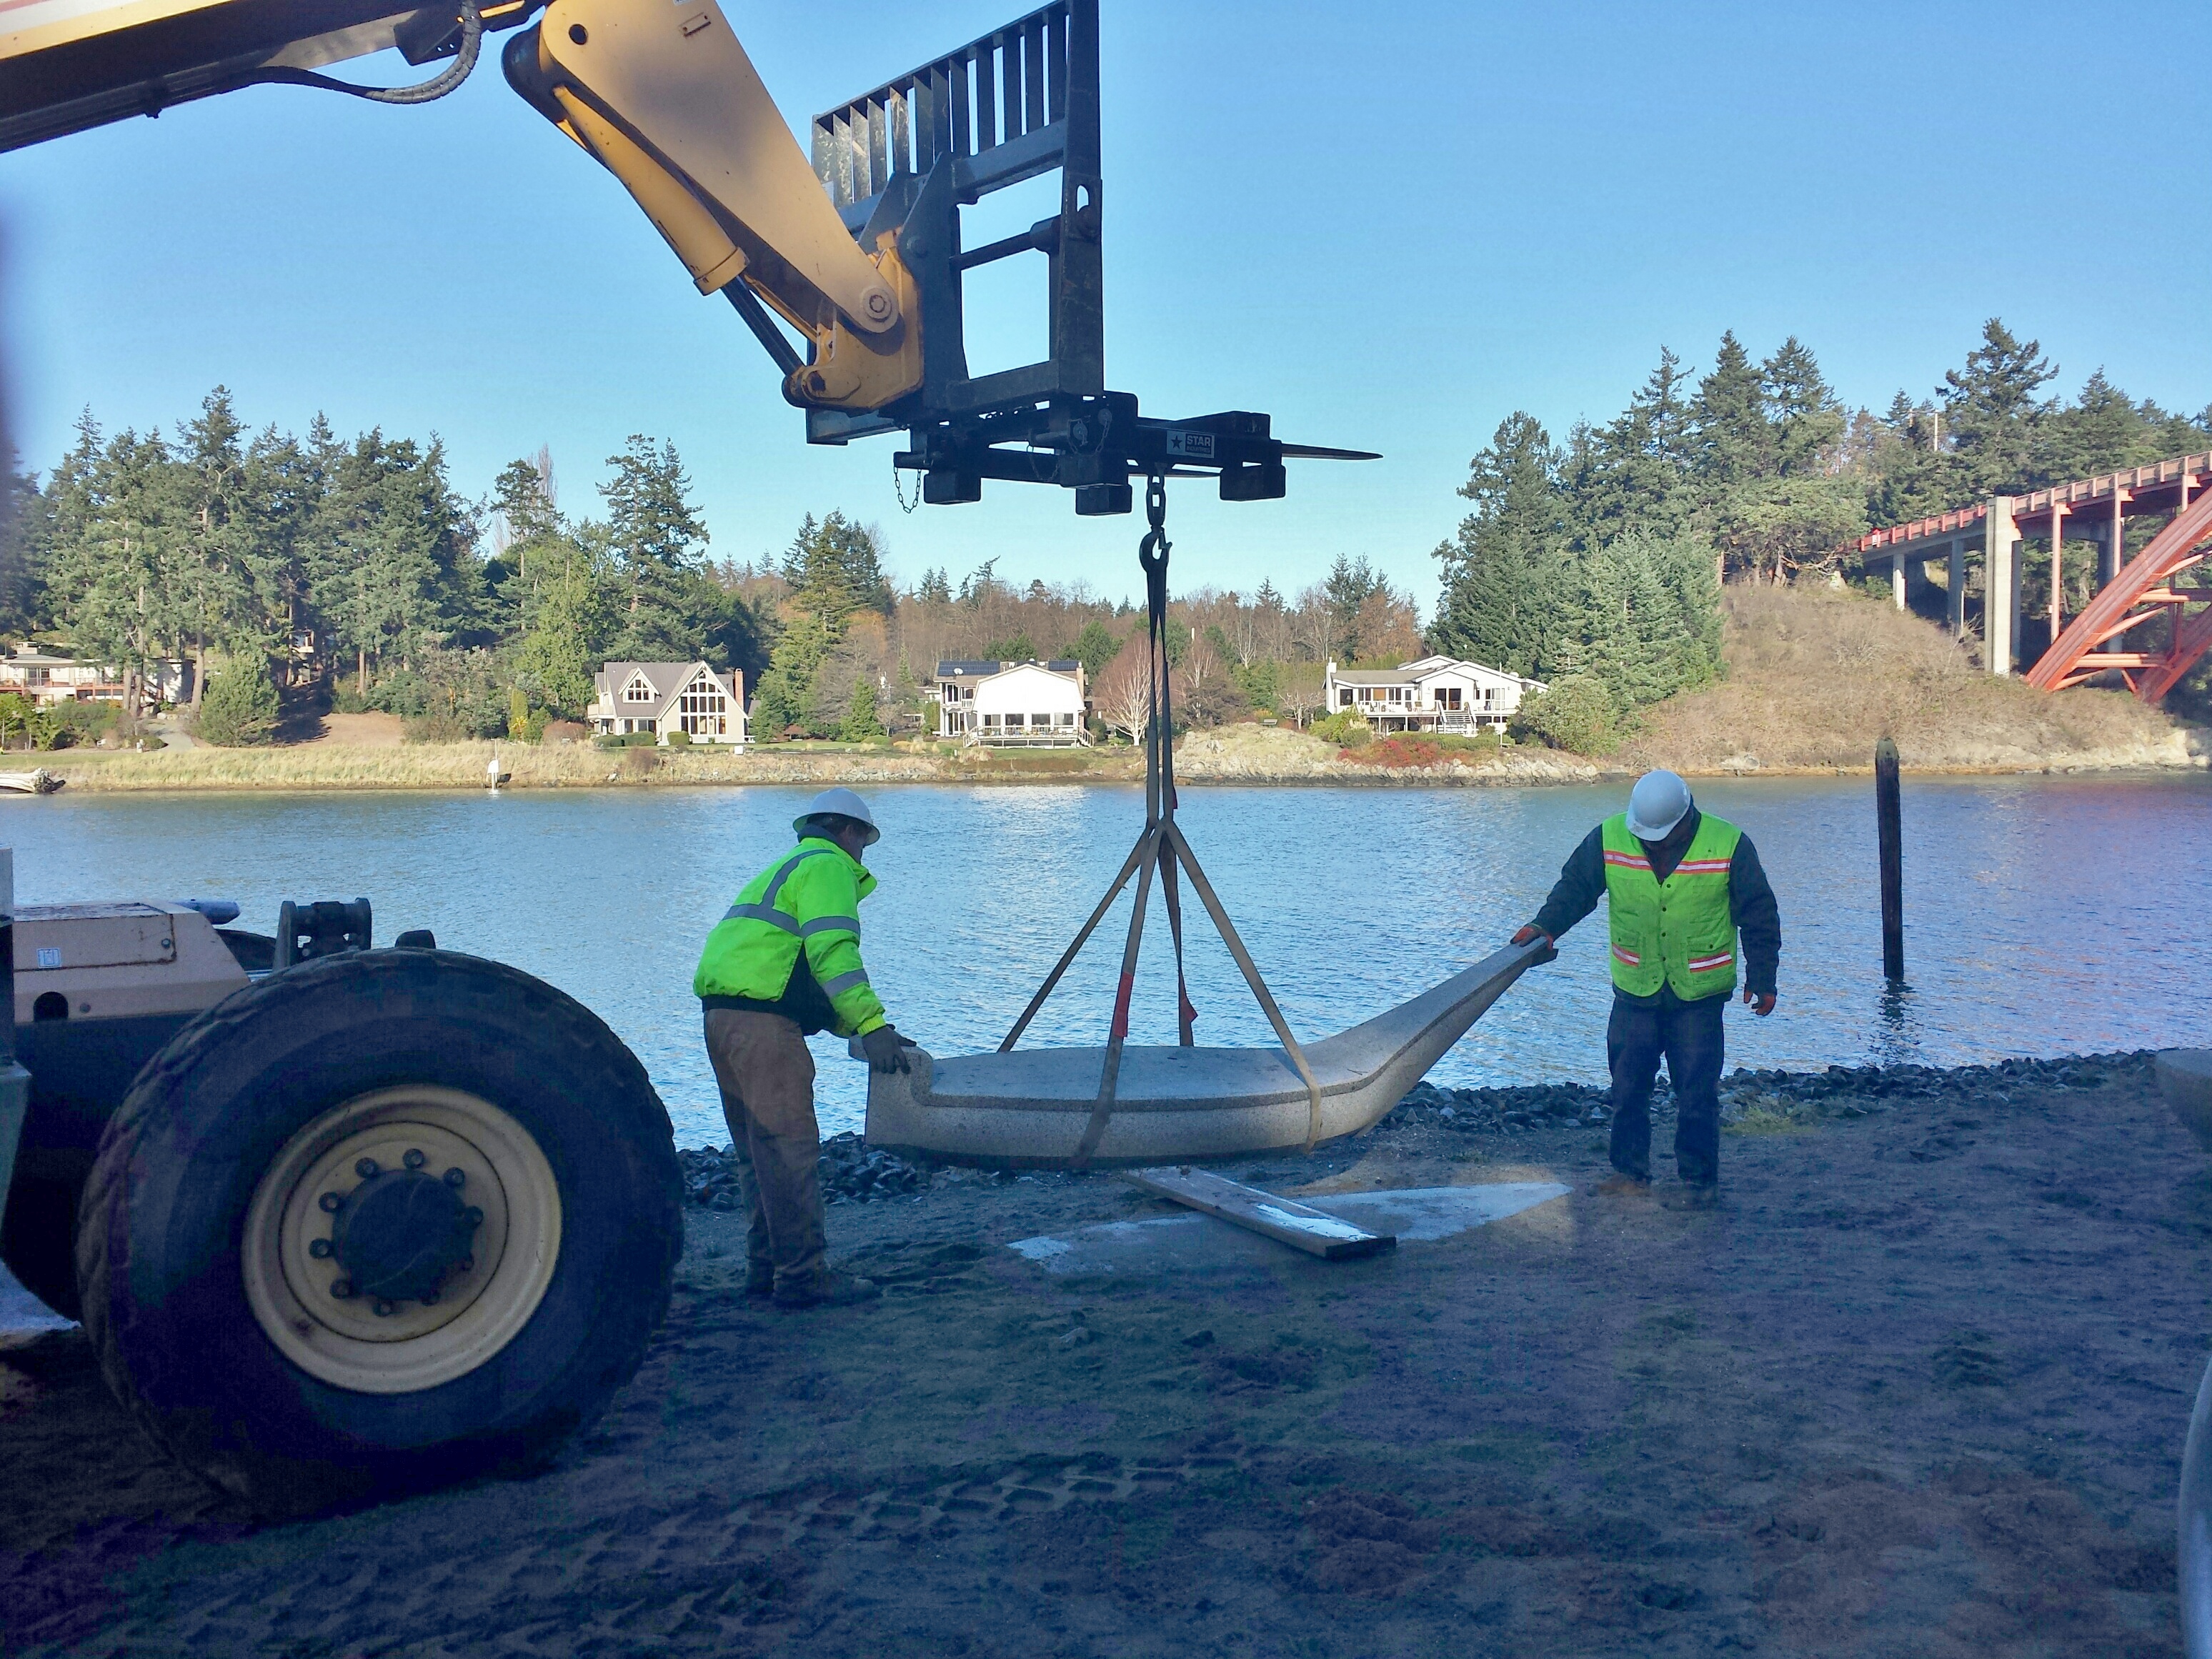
679	739
1577	714
1348	728
1400	751
24	724
239	708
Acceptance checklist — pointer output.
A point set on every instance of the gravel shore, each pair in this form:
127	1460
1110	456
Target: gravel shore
1917	1388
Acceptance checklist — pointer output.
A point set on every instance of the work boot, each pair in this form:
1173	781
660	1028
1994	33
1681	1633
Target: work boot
824	1288
1696	1196
1623	1185
760	1279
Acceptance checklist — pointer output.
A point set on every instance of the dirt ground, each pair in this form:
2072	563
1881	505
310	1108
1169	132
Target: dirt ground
1918	1387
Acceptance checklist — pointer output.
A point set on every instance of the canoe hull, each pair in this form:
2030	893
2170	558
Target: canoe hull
1029	1109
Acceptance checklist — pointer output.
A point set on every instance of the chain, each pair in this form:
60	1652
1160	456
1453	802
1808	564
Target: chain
898	489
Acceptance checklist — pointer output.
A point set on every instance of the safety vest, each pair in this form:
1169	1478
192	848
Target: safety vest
809	901
1677	931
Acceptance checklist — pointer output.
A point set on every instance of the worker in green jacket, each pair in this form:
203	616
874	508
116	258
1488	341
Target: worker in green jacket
783	964
1680	886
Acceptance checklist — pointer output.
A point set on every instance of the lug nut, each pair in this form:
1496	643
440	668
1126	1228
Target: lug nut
475	1216
429	1299
320	1248
414	1160
456	1177
468	1265
384	1309
331	1203
365	1168
341	1288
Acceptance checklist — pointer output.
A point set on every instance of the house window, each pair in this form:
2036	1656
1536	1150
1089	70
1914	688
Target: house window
990	719
1013	722
638	690
1040	720
704	708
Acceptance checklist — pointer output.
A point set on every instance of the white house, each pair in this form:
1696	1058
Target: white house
662	697
1033	704
1430	693
46	679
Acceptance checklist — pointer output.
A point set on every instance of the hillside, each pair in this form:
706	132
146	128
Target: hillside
1815	678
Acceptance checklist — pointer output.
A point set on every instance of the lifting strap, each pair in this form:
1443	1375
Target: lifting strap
1162	849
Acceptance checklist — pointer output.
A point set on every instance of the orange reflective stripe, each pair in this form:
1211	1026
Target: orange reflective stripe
1627	860
1702	868
1628	957
1700	964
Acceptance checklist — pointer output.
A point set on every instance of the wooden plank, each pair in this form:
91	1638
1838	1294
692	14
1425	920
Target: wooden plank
1284	1219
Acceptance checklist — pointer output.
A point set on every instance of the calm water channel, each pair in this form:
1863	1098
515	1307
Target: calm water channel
2045	915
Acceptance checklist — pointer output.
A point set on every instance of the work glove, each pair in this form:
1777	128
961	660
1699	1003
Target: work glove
1762	1002
1531	932
885	1049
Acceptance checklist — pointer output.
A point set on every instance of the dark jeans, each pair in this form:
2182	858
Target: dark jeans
1689	1036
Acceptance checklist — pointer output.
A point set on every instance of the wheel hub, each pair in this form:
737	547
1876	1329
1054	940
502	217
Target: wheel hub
402	1232
401	1238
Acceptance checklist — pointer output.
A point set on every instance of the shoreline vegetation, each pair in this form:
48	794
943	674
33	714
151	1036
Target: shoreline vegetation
1815	678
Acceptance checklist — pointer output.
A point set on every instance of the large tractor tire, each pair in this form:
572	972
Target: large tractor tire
379	1223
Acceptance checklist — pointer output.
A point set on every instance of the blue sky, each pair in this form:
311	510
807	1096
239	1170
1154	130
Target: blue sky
1387	225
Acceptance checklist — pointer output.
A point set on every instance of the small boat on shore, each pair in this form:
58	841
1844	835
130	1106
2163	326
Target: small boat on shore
1030	1108
37	783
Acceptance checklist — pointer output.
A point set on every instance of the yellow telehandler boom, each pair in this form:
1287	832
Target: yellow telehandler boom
855	247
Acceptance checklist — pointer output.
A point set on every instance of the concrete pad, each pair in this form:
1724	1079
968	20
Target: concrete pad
1184	1243
20	1311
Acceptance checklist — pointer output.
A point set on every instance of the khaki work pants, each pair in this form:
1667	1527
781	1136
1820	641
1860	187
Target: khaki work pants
767	1078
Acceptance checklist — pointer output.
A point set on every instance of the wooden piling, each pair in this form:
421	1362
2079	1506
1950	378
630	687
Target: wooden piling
1889	829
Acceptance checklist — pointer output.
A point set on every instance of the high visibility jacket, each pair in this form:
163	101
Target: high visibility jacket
810	900
1680	932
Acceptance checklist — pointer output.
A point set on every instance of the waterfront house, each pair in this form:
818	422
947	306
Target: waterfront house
1429	694
46	677
664	697
1012	704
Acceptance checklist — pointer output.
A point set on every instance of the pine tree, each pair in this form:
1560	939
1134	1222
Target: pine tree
239	708
659	542
862	722
1502	574
1992	413
1733	438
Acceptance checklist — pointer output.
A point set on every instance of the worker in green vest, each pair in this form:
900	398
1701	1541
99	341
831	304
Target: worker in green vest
1680	887
783	964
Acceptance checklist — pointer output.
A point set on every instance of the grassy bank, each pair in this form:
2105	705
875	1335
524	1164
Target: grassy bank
1815	678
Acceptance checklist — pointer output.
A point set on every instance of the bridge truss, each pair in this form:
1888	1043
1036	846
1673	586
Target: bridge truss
2162	583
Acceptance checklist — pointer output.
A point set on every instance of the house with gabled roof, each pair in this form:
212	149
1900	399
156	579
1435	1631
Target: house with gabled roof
1013	704
663	697
1429	694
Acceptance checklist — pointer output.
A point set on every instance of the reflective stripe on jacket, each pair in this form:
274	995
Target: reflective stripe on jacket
1678	933
809	900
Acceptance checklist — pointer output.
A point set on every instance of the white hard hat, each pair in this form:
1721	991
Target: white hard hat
844	804
1657	804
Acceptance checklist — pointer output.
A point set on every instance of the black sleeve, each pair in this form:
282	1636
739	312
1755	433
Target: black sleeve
1580	886
1758	918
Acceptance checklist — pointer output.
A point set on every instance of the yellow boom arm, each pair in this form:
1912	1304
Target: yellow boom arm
661	94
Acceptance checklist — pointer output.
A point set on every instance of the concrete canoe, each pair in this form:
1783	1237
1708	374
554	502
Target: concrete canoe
1028	1109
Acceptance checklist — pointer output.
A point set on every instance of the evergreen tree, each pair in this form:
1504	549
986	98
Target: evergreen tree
239	709
862	722
658	541
1502	574
786	699
1094	647
1992	414
1733	439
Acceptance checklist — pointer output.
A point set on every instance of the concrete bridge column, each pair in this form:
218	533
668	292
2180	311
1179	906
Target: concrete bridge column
1954	592
2000	585
1897	578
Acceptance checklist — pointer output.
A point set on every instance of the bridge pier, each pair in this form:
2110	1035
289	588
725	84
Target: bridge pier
1954	592
2000	585
1897	578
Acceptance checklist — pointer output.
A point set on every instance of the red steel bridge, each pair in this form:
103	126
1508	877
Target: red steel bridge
2151	594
